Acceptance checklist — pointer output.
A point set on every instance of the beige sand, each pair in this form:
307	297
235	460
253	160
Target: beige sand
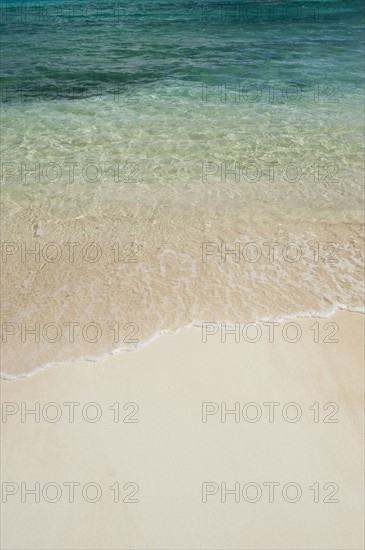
170	452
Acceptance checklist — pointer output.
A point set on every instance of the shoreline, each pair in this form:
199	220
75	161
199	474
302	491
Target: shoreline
331	312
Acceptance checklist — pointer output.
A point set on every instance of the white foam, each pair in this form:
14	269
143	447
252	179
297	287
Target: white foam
196	323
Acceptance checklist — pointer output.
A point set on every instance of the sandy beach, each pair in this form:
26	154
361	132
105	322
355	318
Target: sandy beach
186	444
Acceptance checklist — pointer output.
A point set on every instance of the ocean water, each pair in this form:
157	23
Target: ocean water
154	128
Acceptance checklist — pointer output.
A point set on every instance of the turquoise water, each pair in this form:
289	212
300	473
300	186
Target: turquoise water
68	49
173	87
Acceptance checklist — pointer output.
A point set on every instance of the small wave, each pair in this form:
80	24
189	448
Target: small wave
196	323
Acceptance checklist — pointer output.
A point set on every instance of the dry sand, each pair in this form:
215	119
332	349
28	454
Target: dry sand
170	452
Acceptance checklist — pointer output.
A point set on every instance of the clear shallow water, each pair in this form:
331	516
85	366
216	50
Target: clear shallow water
169	124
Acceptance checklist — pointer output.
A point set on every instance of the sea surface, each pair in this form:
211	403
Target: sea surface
150	153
